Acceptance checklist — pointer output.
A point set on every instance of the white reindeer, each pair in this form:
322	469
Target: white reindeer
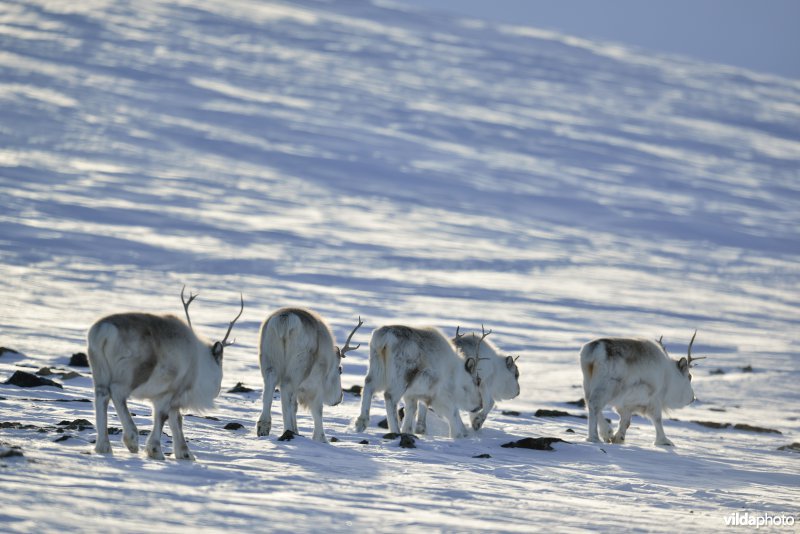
633	376
154	357
419	365
297	354
499	376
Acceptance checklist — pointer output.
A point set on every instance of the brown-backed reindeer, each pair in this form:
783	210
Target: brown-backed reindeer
633	376
155	357
297	354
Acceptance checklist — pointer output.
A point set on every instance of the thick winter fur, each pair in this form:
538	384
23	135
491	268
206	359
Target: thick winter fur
419	365
298	356
633	376
153	357
499	378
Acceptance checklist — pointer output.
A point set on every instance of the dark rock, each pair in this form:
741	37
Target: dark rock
795	447
113	430
10	452
65	437
760	429
570	431
383	423
287	436
77	424
144	432
363	442
45	371
539	444
233	426
716	372
240	388
19	426
580	403
408	441
712	424
738	426
747	369
333	439
556	413
715	409
79	359
391	435
511	412
355	390
24	379
4	350
65	375
484	455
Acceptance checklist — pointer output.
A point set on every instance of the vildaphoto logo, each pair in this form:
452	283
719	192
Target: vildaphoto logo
747	519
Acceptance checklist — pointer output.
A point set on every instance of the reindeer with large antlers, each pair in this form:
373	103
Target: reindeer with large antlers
298	356
633	376
154	357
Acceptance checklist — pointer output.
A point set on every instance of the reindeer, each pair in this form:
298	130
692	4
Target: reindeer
154	357
419	364
634	376
297	354
499	375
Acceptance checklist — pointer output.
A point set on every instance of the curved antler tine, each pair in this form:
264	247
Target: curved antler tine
689	356
230	326
186	305
458	336
347	346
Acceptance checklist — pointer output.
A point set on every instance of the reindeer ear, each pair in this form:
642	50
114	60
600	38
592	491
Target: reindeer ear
510	362
683	366
216	351
469	365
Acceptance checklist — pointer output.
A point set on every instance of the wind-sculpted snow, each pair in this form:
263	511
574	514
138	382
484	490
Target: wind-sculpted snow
365	159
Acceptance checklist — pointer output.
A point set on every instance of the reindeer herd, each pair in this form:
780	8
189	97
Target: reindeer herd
160	358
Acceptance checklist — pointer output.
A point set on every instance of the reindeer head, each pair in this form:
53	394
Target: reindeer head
333	388
679	390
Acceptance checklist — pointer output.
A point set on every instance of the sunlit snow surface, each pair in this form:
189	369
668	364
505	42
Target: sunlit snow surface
362	159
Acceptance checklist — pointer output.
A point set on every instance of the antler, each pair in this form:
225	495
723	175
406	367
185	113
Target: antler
230	326
478	347
186	305
347	346
662	345
689	351
459	336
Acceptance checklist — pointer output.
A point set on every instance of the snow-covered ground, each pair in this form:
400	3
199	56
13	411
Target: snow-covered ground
366	159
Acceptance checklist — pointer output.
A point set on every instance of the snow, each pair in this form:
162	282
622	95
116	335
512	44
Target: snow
364	158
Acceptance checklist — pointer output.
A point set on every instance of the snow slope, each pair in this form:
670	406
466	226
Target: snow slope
367	159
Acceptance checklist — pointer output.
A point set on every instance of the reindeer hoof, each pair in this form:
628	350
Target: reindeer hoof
184	455
131	441
263	428
155	453
420	430
361	424
103	448
664	443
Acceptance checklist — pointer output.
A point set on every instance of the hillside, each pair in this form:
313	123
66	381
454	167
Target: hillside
369	160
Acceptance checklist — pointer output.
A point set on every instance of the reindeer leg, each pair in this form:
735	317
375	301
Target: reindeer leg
391	411
366	401
101	398
624	423
478	418
160	416
410	415
180	448
422	418
130	435
264	424
661	438
289	407
316	414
